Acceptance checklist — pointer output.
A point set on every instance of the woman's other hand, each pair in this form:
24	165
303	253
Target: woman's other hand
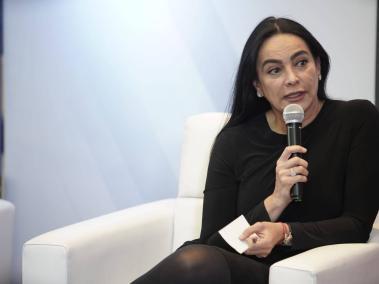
262	237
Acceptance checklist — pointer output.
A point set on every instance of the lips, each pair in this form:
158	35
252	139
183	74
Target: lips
295	96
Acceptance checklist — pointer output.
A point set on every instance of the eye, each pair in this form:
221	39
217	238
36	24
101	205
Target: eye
273	71
302	63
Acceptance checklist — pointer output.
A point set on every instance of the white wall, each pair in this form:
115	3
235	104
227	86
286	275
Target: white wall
96	92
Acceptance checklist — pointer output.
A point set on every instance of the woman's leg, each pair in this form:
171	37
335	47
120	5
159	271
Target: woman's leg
202	264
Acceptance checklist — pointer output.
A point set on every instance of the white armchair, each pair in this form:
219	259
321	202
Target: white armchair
6	237
116	248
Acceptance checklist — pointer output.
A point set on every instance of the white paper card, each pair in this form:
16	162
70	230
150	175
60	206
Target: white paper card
233	231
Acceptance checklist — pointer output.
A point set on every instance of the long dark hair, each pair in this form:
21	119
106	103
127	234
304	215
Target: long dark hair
245	103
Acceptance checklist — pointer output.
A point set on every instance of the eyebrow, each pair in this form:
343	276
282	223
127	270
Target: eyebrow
293	56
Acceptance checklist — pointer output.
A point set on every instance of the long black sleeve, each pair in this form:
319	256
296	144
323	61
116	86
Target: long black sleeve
221	191
361	192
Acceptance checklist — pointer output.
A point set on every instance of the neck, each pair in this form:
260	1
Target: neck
277	124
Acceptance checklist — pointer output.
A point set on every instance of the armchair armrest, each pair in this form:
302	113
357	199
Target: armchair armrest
341	263
107	249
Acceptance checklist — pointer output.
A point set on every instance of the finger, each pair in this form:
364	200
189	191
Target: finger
294	171
251	230
245	234
285	174
295	161
291	180
289	150
258	251
251	250
300	170
249	243
284	168
254	237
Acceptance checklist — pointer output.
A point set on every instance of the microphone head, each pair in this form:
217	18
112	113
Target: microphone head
293	113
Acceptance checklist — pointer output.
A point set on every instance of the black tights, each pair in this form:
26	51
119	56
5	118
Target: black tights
202	264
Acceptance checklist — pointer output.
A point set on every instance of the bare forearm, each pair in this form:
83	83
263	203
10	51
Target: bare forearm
274	207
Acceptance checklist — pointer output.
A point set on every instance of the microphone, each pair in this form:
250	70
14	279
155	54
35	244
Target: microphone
293	116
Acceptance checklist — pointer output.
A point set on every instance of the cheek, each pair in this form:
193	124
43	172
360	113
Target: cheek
271	87
314	83
311	81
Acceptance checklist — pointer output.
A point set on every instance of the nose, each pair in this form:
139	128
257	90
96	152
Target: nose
292	78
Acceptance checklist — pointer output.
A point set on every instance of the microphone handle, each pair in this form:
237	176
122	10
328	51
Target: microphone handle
297	189
294	138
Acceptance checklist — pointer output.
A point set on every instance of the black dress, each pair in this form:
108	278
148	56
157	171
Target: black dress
340	200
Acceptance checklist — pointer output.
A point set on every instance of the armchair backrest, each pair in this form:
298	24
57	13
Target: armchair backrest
199	135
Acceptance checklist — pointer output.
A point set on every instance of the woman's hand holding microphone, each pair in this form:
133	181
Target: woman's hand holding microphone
262	237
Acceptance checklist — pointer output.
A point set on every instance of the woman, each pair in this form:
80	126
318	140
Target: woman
252	170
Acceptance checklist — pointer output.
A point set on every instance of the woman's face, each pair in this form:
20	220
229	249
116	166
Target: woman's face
287	73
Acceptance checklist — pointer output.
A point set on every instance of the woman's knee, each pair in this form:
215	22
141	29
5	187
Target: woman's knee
188	265
200	261
193	257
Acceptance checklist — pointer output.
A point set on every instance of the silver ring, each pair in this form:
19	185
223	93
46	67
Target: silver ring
292	172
